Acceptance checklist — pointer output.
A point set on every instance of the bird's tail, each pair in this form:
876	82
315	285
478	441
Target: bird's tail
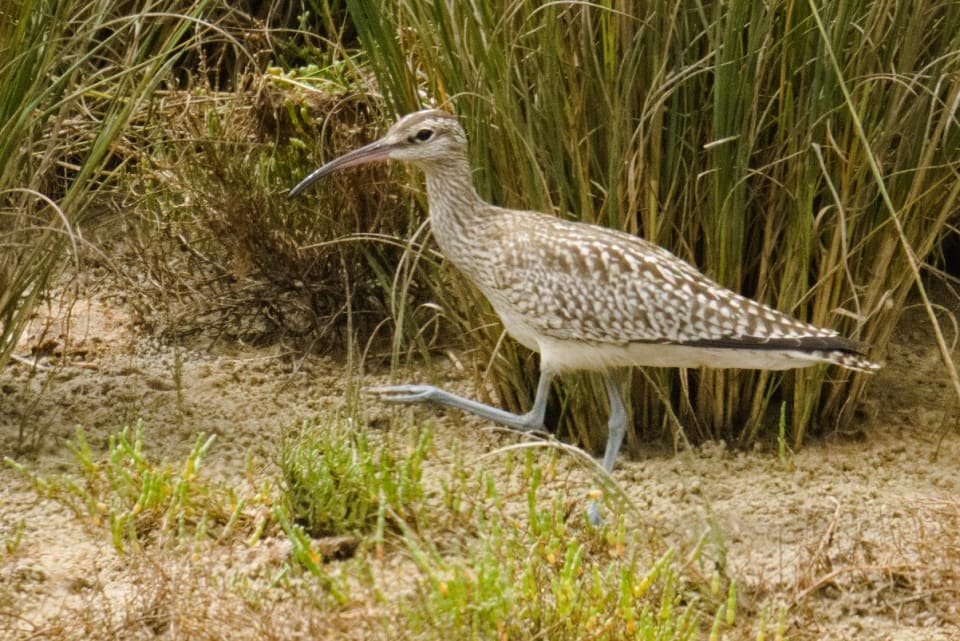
848	359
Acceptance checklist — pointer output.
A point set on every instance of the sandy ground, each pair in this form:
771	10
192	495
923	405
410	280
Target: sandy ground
859	535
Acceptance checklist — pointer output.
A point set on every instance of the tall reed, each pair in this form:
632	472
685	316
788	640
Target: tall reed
720	130
71	75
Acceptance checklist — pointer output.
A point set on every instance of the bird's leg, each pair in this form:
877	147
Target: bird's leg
617	425
531	421
616	428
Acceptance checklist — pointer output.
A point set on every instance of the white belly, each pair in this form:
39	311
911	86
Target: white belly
559	356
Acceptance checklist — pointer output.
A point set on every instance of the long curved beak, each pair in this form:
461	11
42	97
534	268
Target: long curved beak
377	150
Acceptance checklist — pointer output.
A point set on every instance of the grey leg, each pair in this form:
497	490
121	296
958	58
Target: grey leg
617	425
616	429
532	420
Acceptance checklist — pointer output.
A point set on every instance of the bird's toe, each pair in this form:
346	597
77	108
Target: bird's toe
401	393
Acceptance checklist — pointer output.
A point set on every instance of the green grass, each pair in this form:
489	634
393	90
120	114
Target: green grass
476	553
13	537
544	572
336	482
521	563
142	501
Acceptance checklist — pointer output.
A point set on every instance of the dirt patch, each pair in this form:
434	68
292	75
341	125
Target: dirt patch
857	534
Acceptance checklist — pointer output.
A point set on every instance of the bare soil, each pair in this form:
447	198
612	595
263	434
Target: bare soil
859	534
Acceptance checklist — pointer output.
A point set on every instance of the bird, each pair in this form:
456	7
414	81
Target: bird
584	296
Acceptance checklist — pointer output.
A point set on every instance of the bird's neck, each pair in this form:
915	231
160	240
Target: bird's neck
456	209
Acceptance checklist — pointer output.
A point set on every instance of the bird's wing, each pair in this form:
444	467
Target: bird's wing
605	286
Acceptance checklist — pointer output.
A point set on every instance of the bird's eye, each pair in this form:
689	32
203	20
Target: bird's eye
423	135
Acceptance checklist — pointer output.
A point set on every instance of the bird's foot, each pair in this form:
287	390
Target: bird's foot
593	512
529	422
405	393
596	519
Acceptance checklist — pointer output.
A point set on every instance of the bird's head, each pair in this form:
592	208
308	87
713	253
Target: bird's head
424	138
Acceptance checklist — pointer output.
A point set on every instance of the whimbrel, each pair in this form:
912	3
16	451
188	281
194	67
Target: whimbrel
584	296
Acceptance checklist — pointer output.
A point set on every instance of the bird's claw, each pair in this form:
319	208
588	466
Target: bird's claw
402	393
